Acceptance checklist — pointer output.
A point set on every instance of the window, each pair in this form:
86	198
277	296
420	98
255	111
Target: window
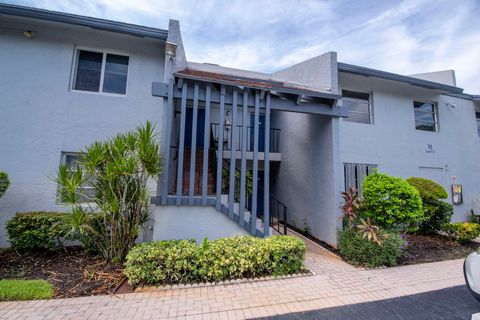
101	72
425	116
358	104
355	173
70	160
478	122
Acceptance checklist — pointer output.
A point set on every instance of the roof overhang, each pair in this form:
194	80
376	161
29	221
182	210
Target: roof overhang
353	69
73	19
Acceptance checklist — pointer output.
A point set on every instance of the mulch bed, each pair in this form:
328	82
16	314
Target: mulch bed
72	273
419	248
431	248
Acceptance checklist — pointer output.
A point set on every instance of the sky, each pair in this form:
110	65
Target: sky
405	37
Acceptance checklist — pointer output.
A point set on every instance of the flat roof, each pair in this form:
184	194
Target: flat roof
350	68
73	19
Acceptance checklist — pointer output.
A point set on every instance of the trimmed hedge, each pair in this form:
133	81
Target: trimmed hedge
437	212
391	202
360	251
35	230
429	190
182	261
462	232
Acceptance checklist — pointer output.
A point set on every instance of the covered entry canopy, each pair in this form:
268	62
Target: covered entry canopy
214	89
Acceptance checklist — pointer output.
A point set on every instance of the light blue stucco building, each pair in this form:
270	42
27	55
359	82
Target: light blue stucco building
243	151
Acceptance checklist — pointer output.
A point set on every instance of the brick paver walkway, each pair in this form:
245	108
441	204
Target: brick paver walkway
335	283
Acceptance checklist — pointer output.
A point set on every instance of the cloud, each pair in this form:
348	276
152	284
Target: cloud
410	36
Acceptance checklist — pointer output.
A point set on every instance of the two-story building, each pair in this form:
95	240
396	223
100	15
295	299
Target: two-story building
243	151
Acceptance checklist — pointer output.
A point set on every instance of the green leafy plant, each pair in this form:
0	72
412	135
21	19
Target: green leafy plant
117	170
4	183
237	183
462	232
11	289
355	248
436	212
35	230
351	203
391	202
182	261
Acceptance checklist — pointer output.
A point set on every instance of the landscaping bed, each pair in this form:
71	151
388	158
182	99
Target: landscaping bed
431	248
72	273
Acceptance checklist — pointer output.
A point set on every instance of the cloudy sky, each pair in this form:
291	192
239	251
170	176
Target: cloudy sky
405	37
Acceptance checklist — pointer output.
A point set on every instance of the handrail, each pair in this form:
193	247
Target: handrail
227	140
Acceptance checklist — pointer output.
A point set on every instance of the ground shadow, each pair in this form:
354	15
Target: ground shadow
451	303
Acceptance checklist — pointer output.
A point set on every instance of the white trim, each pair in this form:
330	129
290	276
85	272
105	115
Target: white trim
104	53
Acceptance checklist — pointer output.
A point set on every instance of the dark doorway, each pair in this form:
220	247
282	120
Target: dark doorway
200	128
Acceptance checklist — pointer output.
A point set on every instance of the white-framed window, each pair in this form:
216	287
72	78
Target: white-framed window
100	71
477	115
359	106
426	117
354	173
70	160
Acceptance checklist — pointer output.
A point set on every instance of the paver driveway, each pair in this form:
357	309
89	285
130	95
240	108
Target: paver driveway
334	284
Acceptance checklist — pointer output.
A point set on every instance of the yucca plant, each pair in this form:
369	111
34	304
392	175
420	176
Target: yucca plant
108	190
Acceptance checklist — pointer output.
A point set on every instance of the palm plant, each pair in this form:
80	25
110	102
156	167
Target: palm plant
108	190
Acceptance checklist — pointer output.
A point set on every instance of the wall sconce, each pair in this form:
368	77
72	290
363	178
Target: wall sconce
170	49
29	34
452	106
227	120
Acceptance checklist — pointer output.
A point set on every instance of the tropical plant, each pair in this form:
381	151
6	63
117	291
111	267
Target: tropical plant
391	202
237	183
371	232
117	170
351	203
4	183
436	212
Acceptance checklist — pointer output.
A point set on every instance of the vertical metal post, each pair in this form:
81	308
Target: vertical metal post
220	148
233	155
181	148
266	170
168	139
243	165
206	145
193	150
253	230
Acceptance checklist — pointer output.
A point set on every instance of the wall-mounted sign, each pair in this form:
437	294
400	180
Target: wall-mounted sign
457	194
429	148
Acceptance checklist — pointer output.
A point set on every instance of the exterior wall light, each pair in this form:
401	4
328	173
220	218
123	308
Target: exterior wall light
170	49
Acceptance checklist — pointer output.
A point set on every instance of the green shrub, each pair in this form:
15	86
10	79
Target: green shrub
429	190
391	202
4	183
25	289
436	212
360	251
182	261
35	230
462	231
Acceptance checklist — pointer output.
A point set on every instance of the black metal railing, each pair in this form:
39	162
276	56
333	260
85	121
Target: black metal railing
228	138
278	215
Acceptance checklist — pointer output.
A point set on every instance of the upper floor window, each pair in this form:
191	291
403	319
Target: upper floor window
101	72
425	116
478	122
359	108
